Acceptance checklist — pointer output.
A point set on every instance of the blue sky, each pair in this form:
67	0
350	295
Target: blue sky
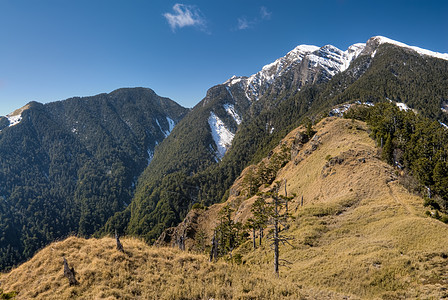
54	49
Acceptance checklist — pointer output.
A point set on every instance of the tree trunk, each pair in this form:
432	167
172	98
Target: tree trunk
119	245
276	238
70	274
214	250
253	237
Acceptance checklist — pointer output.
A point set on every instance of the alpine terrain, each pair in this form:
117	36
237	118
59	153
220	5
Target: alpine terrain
322	176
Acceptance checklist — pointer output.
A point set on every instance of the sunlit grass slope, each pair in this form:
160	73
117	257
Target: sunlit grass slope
142	272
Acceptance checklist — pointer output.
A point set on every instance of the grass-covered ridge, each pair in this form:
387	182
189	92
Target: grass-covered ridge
359	231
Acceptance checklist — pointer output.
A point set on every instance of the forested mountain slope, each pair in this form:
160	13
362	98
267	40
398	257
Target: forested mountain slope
68	166
306	83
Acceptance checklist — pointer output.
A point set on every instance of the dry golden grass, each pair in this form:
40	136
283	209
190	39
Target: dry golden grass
359	231
359	235
142	272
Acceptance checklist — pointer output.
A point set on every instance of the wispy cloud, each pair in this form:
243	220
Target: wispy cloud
185	15
264	13
244	23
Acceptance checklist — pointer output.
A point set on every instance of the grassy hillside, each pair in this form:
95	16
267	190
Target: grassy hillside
143	272
358	232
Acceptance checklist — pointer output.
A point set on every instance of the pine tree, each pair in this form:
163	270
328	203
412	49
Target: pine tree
260	210
388	150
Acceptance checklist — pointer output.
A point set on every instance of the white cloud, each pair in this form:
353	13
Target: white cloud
185	15
265	14
243	23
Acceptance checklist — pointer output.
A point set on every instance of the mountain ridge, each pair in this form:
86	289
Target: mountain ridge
69	165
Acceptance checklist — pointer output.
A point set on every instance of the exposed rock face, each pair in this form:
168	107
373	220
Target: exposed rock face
182	235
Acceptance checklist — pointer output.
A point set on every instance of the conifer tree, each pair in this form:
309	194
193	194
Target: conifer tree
388	150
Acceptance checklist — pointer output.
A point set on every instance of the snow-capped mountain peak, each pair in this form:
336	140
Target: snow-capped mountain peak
303	65
378	40
328	57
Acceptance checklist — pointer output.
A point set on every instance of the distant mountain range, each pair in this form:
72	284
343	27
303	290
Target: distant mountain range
81	165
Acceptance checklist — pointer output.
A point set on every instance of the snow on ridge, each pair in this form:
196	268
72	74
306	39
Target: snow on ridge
328	57
275	69
334	60
221	135
14	120
385	40
351	54
270	72
230	109
233	80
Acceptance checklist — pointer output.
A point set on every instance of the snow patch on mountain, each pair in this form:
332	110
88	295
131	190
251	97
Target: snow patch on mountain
171	124
230	109
221	135
340	110
443	125
444	107
150	156
402	106
14	120
385	40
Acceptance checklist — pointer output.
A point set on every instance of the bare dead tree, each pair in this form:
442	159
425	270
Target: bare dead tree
286	200
119	245
214	249
70	274
181	242
277	219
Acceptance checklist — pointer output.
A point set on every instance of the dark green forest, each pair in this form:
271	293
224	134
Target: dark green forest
70	165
